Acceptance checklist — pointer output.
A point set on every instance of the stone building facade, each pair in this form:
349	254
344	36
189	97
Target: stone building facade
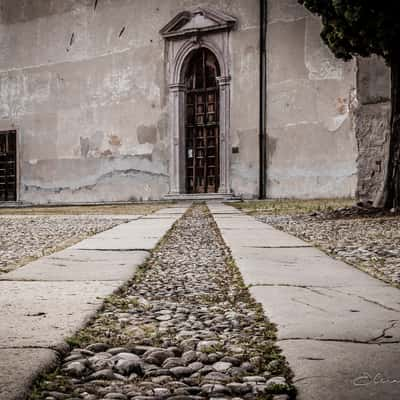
119	100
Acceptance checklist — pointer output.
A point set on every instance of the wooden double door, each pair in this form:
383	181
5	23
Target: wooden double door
8	166
202	123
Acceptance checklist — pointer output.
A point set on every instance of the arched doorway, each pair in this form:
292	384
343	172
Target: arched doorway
202	127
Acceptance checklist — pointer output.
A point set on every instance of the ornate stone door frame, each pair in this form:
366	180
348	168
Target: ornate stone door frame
189	31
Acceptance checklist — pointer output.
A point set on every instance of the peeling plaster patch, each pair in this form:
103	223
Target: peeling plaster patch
342	105
325	70
117	185
320	61
120	83
271	146
107	153
128	172
85	146
162	126
285	11
353	100
142	149
147	134
115	140
299	123
35	89
33	162
336	122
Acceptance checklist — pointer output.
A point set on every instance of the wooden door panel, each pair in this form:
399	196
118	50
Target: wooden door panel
8	166
202	127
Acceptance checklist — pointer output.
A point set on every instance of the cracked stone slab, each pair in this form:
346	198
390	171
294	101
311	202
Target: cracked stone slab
264	237
20	367
258	234
44	314
81	265
345	371
127	217
171	211
297	266
222	210
311	296
233	222
330	314
143	234
159	216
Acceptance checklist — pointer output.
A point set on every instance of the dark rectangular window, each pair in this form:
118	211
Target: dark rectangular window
8	166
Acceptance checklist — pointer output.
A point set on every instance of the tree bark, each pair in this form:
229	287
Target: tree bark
392	184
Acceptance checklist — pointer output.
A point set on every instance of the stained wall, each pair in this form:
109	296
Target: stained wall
372	121
84	84
312	149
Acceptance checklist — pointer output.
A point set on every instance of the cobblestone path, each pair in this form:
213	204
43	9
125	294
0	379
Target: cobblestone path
185	328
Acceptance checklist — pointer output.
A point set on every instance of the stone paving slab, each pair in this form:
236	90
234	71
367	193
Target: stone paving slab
262	238
19	369
322	313
345	371
223	212
314	299
143	234
297	267
81	265
48	300
233	225
44	314
171	211
158	216
230	222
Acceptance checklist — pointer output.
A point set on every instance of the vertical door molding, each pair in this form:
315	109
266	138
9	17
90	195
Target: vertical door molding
177	138
188	31
224	83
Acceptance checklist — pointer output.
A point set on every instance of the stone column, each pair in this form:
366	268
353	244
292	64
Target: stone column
177	138
224	83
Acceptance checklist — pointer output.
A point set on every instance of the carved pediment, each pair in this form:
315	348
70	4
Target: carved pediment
198	21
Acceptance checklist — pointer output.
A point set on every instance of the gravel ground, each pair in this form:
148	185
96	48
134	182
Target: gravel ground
369	242
101	209
24	238
185	328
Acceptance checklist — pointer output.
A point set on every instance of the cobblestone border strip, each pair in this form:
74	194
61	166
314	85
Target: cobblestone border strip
185	327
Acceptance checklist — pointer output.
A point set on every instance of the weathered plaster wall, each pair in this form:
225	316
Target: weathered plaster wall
312	148
372	121
85	88
245	101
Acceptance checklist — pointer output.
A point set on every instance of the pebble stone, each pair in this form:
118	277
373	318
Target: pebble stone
214	344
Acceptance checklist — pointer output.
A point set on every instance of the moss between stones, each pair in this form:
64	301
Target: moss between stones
104	327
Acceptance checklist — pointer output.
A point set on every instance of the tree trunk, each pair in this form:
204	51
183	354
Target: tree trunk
392	186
